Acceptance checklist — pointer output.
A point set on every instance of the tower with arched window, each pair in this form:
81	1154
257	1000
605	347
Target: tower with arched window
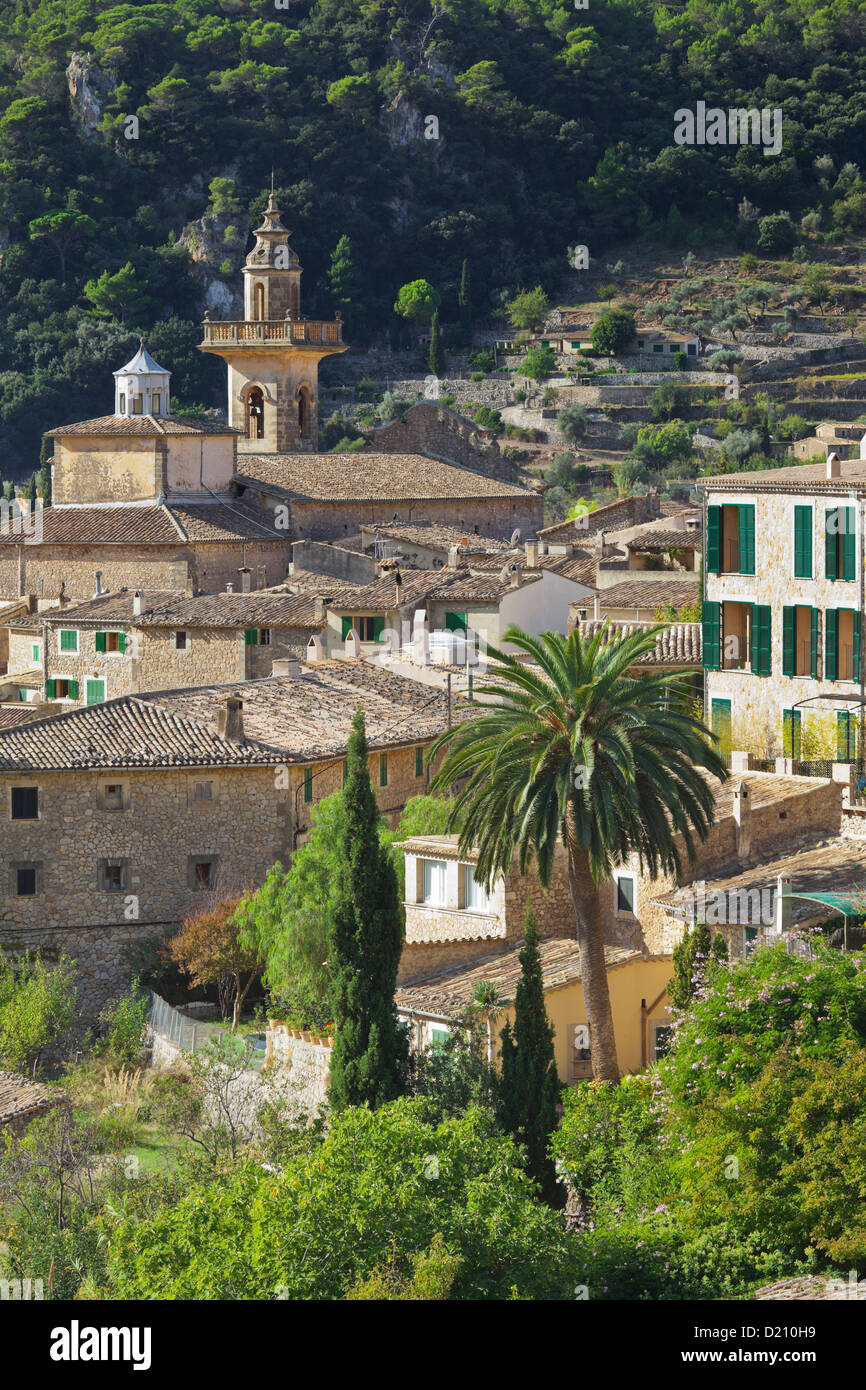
273	353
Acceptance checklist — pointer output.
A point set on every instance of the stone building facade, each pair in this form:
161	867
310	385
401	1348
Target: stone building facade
783	609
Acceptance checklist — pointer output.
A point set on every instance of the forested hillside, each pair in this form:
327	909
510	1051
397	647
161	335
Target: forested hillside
555	126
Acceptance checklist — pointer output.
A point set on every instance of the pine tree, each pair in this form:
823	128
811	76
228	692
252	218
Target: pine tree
464	301
10	491
370	1056
436	355
530	1082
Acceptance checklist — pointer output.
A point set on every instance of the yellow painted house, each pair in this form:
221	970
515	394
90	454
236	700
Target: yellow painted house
434	1004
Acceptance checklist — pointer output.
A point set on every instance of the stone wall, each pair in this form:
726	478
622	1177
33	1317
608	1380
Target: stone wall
435	429
494	516
198	567
100	952
242	829
317	558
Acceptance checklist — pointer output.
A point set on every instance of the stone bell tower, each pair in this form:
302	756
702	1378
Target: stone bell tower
273	353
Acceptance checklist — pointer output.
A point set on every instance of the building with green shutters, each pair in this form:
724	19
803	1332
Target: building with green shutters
783	604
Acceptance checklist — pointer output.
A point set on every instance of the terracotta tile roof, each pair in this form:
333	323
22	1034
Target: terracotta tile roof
818	866
170	524
808	477
446	992
679	644
115	606
309	717
436	537
480	588
650	593
147	425
580	567
20	1097
358	477
13	715
128	732
259	608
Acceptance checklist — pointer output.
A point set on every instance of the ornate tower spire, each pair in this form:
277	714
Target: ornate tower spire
272	353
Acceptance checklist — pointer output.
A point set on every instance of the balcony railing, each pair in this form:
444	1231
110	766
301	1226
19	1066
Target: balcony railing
274	331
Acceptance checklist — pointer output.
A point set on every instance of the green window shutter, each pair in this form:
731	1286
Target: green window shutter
35	651
121	641
251	636
95	692
72	690
455	622
848	543
845	737
759	639
802	542
856	645
711	635
746	534
831	644
791	733
100	641
714	549
419	761
346	627
51	689
383	769
721	723
308	784
787	641
830	546
813	643
378	628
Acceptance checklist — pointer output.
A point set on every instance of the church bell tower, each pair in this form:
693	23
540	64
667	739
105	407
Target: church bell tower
273	353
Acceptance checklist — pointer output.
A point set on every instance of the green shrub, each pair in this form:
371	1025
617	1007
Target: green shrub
123	1022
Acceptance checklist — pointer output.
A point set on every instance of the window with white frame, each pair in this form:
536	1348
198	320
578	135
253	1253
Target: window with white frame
474	894
433	873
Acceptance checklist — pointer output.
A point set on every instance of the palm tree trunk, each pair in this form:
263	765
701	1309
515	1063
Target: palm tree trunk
593	971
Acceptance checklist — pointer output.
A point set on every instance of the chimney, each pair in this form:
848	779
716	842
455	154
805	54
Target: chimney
398	588
137	603
62	597
531	555
452	557
97	575
596	608
834	466
230	588
318	610
246	578
599	536
230	719
286	666
743	820
515	576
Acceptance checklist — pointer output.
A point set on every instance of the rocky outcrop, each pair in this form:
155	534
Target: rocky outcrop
212	240
89	85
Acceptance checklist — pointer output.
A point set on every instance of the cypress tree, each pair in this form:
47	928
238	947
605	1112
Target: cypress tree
44	484
436	355
370	1056
530	1082
464	302
31	493
695	959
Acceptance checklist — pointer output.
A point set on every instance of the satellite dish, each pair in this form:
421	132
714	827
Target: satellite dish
515	537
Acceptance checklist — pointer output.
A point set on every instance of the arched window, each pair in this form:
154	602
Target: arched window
255	414
260	302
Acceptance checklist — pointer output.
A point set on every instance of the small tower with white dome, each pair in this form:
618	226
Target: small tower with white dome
142	387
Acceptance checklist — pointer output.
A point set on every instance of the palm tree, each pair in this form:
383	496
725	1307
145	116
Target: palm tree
579	753
489	1003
